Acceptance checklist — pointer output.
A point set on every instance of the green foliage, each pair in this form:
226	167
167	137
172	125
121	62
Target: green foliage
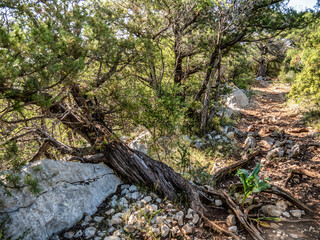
194	164
149	218
184	157
163	112
33	184
9	155
302	64
199	173
251	182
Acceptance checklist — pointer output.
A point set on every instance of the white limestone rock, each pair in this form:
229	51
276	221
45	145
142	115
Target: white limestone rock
237	99
90	232
271	210
296	213
69	190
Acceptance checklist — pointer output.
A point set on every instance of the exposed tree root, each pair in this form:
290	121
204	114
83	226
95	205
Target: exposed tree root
219	229
221	173
242	217
282	193
251	207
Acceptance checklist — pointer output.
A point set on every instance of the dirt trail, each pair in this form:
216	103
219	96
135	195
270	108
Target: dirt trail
296	162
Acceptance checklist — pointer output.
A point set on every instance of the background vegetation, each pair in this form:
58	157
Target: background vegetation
162	65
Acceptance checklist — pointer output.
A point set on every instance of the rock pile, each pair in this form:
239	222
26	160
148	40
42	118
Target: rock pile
277	143
226	136
132	214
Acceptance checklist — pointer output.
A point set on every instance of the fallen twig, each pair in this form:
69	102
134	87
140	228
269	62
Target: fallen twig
298	130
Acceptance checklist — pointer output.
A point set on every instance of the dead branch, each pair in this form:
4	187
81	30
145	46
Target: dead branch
306	172
282	193
43	148
282	220
19	136
97	158
63	148
21	120
218	176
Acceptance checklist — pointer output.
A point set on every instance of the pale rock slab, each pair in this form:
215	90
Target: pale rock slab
69	190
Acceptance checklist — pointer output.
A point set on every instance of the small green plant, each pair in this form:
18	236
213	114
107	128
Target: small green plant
184	158
252	183
262	223
199	173
148	219
32	184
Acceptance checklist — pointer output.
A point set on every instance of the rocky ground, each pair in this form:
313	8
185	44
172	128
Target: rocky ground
131	214
290	157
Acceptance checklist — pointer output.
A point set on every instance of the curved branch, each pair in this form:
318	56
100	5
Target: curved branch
63	148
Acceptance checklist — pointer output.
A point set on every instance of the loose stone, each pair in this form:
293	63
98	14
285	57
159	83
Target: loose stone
189	214
164	230
231	220
98	219
286	214
112	238
179	217
68	235
155	230
218	202
296	213
78	234
114	221
147	199
187	229
233	229
90	232
195	219
88	219
125	186
110	211
133	188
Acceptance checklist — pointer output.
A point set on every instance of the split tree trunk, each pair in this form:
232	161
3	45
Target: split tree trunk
131	165
138	168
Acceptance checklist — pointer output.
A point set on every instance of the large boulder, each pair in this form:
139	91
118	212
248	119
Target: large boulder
68	191
237	99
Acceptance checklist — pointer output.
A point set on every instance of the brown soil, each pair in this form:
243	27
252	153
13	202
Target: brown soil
299	175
